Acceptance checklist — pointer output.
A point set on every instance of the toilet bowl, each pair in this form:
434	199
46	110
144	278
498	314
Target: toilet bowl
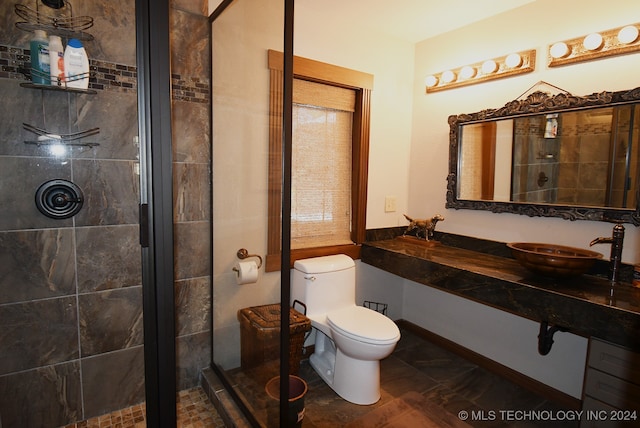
350	340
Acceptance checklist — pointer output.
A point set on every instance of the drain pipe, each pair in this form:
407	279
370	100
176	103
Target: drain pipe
545	338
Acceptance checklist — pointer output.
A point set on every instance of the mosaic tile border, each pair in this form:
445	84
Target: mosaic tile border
107	76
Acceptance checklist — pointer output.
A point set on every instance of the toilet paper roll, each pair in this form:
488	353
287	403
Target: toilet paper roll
247	272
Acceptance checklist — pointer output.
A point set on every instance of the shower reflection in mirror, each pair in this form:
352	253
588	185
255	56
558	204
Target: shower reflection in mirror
589	157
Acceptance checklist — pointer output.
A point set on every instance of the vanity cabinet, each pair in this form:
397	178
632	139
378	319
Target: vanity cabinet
611	393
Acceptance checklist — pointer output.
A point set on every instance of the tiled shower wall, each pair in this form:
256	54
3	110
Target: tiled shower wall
71	343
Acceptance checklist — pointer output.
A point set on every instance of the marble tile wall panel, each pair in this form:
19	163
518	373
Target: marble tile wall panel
113	381
45	397
192	249
38	333
193	305
110	320
108	257
8	32
43	109
200	7
190	132
191	192
116	114
191	114
21	178
111	194
36	264
114	28
187	47
192	355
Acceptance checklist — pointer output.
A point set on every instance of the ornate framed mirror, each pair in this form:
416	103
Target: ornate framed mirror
573	157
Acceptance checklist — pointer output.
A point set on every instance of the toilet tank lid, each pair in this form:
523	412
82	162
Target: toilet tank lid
324	264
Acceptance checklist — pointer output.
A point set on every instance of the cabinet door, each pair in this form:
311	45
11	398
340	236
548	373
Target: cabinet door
617	361
612	390
596	414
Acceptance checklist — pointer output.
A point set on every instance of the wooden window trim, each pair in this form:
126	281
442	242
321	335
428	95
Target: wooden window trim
316	71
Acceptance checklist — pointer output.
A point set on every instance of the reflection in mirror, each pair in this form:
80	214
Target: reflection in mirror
561	156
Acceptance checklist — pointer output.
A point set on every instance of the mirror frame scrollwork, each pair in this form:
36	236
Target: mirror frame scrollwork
537	103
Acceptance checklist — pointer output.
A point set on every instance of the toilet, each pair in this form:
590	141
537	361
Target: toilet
350	340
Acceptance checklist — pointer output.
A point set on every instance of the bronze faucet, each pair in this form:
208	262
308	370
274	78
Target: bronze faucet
616	241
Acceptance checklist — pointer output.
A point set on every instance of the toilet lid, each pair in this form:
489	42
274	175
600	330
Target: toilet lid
364	325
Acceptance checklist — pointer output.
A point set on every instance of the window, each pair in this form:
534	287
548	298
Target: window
340	102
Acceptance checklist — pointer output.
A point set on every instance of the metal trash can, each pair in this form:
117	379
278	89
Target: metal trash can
297	391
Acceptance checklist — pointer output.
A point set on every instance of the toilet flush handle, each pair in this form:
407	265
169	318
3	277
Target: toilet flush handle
310	277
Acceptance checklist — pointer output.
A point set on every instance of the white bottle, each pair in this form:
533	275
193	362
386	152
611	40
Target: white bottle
56	61
76	65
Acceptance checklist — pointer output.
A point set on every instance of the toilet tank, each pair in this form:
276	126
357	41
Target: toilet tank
324	283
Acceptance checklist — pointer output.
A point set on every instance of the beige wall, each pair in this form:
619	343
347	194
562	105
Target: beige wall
503	337
533	26
241	37
507	339
408	159
391	62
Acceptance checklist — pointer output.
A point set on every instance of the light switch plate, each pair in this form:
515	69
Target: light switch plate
390	204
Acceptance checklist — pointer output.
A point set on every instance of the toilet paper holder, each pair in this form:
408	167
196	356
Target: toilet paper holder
242	254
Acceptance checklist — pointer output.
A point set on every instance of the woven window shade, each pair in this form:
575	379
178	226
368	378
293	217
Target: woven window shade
321	161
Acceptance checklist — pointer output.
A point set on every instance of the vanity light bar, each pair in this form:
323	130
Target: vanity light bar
617	41
496	68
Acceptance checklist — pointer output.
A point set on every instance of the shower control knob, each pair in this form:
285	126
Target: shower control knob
59	199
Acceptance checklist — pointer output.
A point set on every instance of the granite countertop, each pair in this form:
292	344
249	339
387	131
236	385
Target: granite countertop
586	305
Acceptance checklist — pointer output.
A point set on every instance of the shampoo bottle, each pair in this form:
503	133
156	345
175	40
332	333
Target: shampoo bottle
39	47
76	65
56	61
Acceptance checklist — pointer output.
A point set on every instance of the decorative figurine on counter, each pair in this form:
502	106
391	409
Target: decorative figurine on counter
423	228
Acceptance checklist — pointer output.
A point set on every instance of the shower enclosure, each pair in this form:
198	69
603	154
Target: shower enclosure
247	355
106	211
71	284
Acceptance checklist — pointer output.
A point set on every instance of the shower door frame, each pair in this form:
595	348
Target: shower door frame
153	56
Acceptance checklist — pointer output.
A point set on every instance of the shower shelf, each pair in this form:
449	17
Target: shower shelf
58	88
54	142
47	138
65	26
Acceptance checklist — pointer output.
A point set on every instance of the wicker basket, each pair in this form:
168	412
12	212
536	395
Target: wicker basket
260	335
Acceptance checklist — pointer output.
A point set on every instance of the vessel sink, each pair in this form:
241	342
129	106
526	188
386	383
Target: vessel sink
552	260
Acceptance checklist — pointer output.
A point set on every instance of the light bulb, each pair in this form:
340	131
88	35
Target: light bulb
592	42
489	66
513	60
628	34
559	50
467	72
431	81
448	76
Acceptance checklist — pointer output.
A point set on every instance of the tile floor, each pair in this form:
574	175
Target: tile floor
194	411
422	385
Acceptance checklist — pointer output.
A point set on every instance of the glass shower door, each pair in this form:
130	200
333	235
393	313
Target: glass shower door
70	270
246	314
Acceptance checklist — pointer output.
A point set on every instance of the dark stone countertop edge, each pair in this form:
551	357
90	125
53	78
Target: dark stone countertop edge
587	305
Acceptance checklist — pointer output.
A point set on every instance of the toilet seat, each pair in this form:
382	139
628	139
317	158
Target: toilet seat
364	325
